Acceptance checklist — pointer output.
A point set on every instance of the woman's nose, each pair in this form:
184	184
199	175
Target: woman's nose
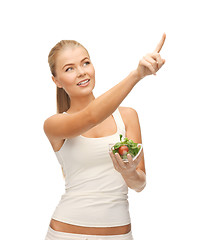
81	71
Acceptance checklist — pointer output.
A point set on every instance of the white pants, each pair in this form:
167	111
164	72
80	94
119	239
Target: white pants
56	235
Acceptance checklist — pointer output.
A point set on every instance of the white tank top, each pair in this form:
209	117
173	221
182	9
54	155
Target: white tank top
96	194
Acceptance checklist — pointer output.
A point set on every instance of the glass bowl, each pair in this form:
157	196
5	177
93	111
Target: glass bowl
124	157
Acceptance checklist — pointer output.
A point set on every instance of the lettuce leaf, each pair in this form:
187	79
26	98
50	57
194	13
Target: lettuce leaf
133	147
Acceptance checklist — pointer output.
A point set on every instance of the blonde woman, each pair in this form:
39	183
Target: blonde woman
94	205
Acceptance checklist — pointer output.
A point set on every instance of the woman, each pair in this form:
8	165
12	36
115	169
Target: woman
94	205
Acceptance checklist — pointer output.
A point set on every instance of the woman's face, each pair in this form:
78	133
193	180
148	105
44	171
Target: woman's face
72	66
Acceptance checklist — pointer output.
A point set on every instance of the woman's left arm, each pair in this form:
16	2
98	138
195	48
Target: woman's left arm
133	172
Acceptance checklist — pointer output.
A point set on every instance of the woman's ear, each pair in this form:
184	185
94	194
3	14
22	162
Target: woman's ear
56	82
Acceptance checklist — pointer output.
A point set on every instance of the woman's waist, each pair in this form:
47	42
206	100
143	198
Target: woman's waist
95	194
99	186
69	228
79	202
79	209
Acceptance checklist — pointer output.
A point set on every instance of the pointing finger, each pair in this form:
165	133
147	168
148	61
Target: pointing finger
160	44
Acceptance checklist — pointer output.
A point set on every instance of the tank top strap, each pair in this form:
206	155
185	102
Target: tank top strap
119	121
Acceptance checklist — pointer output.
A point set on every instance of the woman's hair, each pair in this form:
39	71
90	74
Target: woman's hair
63	99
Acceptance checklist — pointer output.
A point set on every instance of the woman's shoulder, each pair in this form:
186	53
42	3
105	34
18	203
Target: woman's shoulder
127	113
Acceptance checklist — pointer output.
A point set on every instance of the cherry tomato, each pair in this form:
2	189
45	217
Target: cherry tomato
123	150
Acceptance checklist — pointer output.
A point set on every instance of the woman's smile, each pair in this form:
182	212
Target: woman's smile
84	83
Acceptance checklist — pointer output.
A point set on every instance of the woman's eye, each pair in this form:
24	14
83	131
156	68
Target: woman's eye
87	63
69	69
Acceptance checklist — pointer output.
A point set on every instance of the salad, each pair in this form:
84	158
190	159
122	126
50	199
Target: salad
126	146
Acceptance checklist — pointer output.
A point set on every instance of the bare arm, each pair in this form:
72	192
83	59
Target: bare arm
62	126
103	106
107	103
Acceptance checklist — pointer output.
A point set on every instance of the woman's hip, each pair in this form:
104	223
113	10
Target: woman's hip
56	235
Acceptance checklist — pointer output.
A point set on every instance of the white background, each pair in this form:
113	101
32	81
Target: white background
173	108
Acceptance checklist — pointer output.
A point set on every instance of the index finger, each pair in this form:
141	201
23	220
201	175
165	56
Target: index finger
160	44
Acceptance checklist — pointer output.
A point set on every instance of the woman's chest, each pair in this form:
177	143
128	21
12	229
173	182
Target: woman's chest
103	129
106	128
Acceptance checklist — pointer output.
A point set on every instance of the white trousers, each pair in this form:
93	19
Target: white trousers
56	235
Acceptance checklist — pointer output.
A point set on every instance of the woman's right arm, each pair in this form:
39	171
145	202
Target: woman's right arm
62	126
107	103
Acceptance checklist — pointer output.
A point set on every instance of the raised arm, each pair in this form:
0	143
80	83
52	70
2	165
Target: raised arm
62	126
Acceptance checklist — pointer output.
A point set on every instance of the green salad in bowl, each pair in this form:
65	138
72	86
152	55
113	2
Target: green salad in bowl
124	147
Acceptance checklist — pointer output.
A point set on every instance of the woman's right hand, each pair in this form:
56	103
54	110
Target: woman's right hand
151	62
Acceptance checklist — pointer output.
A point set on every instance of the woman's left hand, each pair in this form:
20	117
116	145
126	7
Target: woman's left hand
125	168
